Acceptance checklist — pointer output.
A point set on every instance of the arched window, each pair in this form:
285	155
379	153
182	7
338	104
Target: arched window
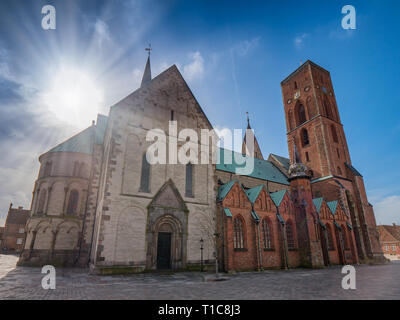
266	234
339	171
42	201
290	119
334	134
72	207
189	180
304	137
295	85
238	238
327	109
311	173
47	169
331	246
301	114
290	235
145	175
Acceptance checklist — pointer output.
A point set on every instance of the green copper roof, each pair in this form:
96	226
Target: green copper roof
228	212
321	179
332	206
337	225
224	190
280	218
349	226
284	161
253	193
263	169
84	140
81	142
278	196
318	203
255	215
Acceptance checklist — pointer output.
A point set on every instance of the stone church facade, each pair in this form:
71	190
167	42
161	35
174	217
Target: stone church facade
97	202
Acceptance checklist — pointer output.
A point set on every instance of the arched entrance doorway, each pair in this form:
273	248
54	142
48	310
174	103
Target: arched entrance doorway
167	230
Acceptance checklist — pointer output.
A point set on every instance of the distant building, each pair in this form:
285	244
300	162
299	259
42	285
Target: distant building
1	234
13	235
389	237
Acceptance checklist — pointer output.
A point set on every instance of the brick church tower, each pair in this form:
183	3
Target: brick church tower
313	124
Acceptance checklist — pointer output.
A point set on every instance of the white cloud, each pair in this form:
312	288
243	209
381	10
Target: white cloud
101	32
387	210
195	69
246	46
299	40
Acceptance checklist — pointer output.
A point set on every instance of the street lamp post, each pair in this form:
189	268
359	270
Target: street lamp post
201	254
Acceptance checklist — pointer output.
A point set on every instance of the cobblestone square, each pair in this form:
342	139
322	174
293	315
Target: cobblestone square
373	282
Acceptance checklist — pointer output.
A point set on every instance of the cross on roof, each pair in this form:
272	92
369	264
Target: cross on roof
148	49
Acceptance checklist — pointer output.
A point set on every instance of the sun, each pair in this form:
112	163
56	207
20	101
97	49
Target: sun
73	97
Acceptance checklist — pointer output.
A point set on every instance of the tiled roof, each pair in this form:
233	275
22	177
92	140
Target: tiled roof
253	193
278	196
284	161
224	190
263	169
83	141
318	203
228	212
332	206
394	231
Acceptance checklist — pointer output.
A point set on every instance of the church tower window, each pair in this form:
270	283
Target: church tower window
73	202
334	134
189	180
304	138
330	237
145	175
301	114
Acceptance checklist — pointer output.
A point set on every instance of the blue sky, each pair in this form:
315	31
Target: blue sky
233	55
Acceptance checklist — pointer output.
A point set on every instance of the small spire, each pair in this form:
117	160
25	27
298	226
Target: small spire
248	121
147	70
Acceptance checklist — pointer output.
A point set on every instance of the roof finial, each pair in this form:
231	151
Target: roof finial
147	70
248	120
148	49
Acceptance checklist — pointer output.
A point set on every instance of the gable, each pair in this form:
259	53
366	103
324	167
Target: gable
168	196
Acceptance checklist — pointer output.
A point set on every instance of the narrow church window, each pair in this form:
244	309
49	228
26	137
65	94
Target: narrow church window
290	118
327	109
307	157
42	201
311	173
189	180
238	240
339	171
330	238
334	134
73	202
81	170
145	175
304	138
290	235
266	232
295	85
47	169
301	114
172	115
338	153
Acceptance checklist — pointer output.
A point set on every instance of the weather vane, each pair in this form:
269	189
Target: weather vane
248	120
148	49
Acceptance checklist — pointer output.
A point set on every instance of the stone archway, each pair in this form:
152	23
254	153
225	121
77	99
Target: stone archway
166	247
167	230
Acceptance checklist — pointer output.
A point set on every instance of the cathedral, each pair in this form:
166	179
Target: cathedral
98	202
